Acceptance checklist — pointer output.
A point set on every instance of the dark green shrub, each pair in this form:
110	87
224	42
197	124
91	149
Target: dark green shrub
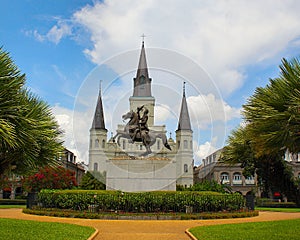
206	185
109	201
266	202
140	216
12	202
93	181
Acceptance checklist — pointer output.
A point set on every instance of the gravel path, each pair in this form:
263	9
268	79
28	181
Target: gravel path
145	229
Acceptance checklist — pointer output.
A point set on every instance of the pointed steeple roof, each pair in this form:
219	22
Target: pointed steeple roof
98	121
184	122
142	68
142	82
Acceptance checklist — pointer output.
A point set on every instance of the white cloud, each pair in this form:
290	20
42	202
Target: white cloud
162	113
57	32
37	36
75	137
61	29
203	150
207	109
222	36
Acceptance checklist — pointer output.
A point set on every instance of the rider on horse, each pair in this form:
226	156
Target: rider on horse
142	123
136	130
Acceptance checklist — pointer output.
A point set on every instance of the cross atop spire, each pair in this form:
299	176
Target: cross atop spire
100	87
143	37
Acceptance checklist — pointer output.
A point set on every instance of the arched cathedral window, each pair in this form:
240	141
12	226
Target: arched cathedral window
95	166
96	143
185	144
103	143
185	168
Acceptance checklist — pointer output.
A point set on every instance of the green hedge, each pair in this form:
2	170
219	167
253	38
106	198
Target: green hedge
266	202
140	202
12	202
139	216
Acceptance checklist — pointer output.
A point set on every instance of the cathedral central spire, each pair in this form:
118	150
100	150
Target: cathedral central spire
142	82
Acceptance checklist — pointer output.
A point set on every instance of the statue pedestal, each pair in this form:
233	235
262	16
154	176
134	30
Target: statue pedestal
141	174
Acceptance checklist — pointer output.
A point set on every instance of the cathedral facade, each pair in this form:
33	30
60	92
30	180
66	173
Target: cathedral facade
123	160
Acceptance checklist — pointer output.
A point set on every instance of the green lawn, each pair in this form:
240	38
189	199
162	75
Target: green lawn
278	209
277	230
33	230
12	206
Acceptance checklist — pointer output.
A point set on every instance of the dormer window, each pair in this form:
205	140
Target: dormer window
142	80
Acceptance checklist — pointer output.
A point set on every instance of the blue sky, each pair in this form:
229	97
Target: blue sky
46	64
225	48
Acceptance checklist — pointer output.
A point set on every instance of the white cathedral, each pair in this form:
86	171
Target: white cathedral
125	167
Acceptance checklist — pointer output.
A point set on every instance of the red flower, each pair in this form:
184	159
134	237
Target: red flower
53	178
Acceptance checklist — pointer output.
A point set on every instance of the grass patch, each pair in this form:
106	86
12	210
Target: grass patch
277	209
33	230
12	206
276	230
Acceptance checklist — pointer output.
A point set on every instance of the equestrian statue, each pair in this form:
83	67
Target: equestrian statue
136	130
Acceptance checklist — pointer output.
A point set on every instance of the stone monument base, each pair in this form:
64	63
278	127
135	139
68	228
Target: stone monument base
141	174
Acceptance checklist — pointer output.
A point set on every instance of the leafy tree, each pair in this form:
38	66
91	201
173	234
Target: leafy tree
272	126
93	181
206	185
50	178
240	149
29	134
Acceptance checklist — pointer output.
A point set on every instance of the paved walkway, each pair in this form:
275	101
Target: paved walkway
144	229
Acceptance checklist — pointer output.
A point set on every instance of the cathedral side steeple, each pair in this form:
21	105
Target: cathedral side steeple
98	121
184	140
184	122
98	139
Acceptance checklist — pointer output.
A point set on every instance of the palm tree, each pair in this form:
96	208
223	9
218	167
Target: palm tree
272	126
29	135
272	112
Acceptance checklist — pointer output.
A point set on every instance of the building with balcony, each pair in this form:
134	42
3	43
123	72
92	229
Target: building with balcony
229	174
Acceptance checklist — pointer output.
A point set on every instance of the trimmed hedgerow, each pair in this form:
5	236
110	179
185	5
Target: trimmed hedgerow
171	201
12	202
140	216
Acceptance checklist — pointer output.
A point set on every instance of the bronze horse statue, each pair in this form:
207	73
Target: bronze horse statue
135	132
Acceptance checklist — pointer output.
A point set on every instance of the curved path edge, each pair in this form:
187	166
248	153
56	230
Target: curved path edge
93	236
145	229
187	231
